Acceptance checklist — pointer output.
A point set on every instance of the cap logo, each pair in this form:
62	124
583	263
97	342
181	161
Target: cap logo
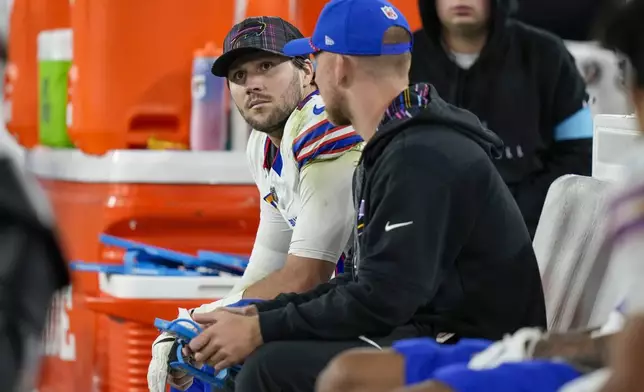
389	12
247	32
328	41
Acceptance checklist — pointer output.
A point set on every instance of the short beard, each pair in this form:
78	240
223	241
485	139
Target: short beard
336	110
338	117
274	125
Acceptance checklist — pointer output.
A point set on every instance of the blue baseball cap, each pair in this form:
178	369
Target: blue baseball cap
353	27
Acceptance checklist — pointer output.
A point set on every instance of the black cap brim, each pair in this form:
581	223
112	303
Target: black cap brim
221	66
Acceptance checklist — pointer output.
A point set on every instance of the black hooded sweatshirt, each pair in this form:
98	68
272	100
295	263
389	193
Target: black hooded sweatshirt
440	242
523	84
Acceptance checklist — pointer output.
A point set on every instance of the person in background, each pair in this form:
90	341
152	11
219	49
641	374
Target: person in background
626	35
302	165
440	247
520	81
32	269
528	360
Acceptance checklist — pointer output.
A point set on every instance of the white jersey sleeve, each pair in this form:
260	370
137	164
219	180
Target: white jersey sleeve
325	156
273	233
327	214
270	247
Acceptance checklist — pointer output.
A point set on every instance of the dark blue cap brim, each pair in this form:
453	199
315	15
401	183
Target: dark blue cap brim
299	47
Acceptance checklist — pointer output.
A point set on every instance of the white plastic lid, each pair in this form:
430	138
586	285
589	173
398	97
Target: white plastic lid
55	45
141	166
166	287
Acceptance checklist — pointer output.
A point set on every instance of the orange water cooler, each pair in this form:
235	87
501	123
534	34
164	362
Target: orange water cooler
132	68
27	18
101	336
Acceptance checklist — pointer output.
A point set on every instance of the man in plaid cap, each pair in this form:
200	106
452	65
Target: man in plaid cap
302	165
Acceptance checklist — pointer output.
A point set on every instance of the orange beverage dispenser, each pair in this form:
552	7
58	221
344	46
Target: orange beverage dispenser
130	78
100	338
27	18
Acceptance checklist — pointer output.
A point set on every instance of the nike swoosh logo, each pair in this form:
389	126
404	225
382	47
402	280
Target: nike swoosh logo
444	337
390	227
317	111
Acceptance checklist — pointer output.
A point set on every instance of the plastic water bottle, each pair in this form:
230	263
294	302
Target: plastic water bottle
209	116
54	62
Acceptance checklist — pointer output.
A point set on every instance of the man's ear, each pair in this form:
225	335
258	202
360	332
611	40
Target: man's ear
309	73
346	67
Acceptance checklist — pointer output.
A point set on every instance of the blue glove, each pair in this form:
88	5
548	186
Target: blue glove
200	386
423	356
531	376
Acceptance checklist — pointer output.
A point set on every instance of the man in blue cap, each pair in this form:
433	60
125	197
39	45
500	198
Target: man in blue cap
530	360
440	247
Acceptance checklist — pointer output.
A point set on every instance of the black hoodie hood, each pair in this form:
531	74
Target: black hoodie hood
421	104
499	13
430	35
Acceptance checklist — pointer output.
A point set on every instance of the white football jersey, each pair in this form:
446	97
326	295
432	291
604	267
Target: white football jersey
305	187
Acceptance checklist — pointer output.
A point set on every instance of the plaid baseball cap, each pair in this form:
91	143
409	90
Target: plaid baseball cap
353	27
265	33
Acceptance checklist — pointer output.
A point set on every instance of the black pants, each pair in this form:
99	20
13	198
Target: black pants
290	366
293	366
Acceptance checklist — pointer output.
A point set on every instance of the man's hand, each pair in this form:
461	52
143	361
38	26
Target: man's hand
229	338
580	349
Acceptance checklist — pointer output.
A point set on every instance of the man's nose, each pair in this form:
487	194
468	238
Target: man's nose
254	83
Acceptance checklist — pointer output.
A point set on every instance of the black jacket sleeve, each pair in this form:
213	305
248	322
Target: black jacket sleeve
563	96
300	298
402	248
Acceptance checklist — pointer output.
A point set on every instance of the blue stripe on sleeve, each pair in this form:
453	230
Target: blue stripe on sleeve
577	126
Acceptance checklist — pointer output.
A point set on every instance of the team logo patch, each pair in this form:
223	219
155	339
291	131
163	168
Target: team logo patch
271	198
250	31
389	12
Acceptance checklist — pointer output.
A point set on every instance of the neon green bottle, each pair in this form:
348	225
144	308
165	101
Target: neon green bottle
54	61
